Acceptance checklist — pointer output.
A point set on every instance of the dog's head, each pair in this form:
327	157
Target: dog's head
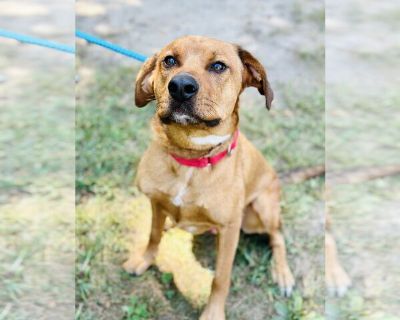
197	81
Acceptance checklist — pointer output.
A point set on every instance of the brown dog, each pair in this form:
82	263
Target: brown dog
336	278
199	170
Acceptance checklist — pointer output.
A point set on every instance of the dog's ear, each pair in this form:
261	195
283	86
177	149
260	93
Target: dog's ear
144	92
254	75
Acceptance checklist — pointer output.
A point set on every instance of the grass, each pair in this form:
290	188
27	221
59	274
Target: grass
365	224
109	140
33	128
135	310
360	133
366	124
36	202
111	136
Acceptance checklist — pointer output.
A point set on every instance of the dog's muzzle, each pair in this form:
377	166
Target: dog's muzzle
183	89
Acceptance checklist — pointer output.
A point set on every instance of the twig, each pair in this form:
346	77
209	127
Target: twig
348	176
357	175
302	174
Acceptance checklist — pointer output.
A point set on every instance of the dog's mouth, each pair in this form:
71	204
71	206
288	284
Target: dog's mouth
183	114
184	119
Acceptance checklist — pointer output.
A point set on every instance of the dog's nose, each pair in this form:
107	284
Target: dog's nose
182	87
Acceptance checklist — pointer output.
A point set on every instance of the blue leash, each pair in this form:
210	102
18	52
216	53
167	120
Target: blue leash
65	48
110	46
36	41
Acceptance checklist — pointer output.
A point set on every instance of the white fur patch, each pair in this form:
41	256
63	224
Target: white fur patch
177	200
191	229
182	118
211	139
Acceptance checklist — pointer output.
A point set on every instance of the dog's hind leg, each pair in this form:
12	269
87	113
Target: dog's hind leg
140	262
267	206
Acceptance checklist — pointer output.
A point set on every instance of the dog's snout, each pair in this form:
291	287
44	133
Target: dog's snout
182	87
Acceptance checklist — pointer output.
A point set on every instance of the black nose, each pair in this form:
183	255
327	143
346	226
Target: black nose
182	87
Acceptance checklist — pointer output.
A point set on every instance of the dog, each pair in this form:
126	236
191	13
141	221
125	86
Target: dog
336	279
199	170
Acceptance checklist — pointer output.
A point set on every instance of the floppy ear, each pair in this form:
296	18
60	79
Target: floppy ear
254	75
144	92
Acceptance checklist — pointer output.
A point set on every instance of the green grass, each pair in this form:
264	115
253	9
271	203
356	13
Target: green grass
37	140
36	196
111	136
135	310
365	226
361	132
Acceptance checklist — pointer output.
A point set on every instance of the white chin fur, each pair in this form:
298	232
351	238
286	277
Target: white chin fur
182	118
211	139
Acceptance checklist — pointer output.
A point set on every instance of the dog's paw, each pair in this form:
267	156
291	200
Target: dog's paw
285	280
337	281
138	264
213	313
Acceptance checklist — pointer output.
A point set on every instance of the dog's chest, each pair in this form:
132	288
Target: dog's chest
186	211
191	218
185	198
181	187
186	207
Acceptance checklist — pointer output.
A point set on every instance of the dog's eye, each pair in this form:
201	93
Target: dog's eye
218	66
170	61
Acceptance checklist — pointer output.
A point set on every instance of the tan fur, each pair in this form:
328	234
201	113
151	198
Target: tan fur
336	278
240	192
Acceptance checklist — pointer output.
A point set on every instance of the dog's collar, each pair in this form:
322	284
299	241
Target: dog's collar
208	161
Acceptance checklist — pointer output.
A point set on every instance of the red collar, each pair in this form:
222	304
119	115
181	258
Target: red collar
206	161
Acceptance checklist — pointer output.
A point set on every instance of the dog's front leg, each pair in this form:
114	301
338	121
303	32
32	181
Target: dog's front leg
336	278
140	262
228	238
